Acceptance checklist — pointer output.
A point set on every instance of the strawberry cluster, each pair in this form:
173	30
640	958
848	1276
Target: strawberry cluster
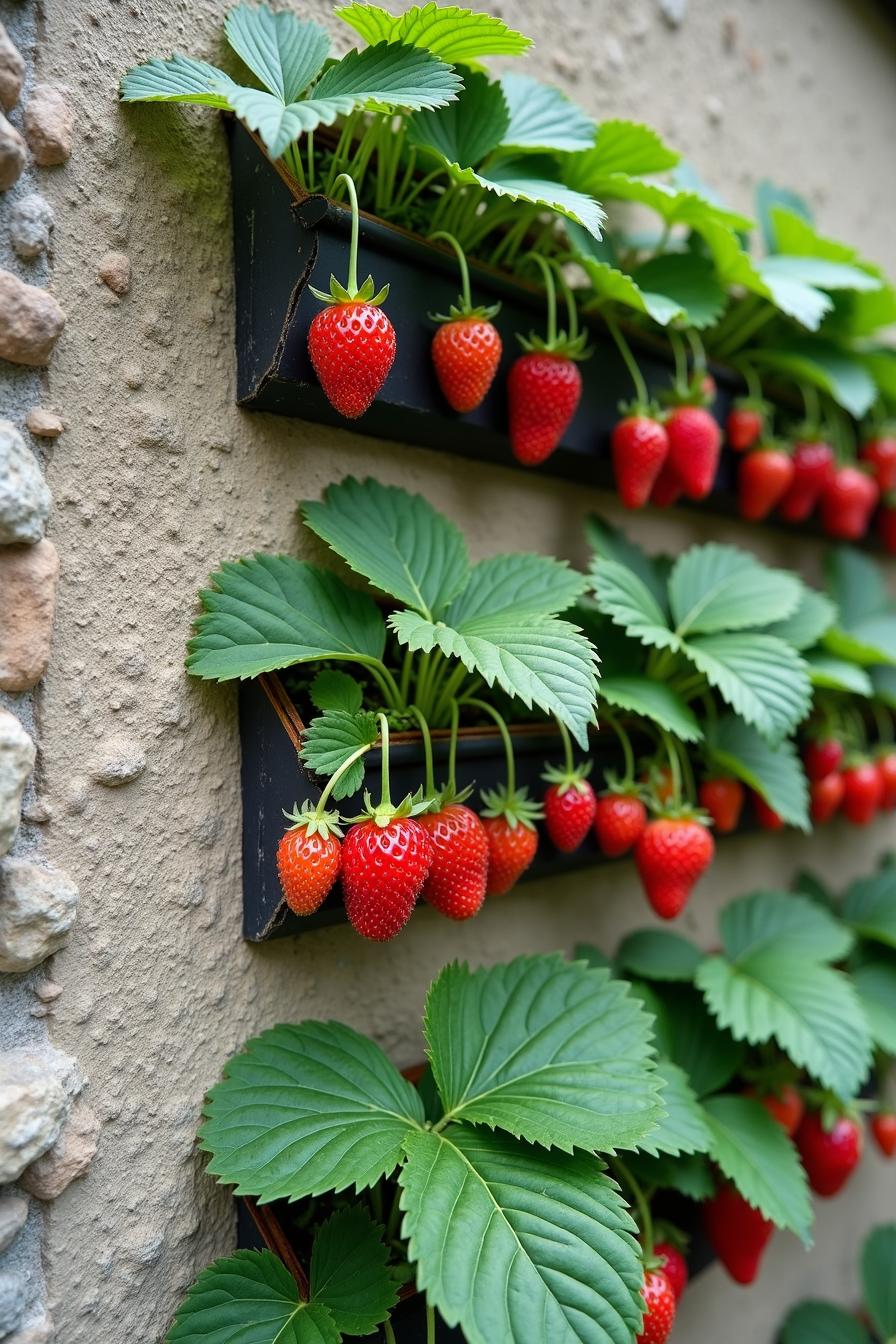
848	779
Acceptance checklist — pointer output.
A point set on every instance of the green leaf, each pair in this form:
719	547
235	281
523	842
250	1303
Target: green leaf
866	630
178	80
350	1274
539	660
469	128
875	983
674	206
813	617
541	117
754	1152
610	285
547	1050
769	199
611	543
818	272
821	1323
392	75
652	700
658	954
336	690
836	674
625	597
883	685
396	540
504	1235
714	588
784	922
774	772
626	147
278	123
838	372
763	679
809	885
250	1296
592	956
683	1129
457	35
331	738
878	1279
530	177
690	1174
343	1112
272	611
869	907
694	1041
516	585
688	280
286	53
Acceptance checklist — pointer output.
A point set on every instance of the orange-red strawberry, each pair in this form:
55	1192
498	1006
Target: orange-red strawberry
695	441
737	1232
384	868
862	793
466	349
762	480
639	446
569	805
667	489
309	857
830	1149
723	798
883	1128
745	423
813	471
673	1265
886	523
659	1308
509	820
543	393
880	454
765	815
459	870
825	797
847	504
822	756
784	1104
886	769
671	855
619	822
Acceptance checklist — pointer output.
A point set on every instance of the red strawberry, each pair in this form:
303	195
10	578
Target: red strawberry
352	346
457	877
694	444
862	793
784	1105
543	390
309	858
883	1127
466	352
847	504
673	1265
831	1153
737	1232
822	757
723	799
509	820
880	454
825	797
667	489
763	479
384	867
766	816
745	423
813	471
640	446
619	822
672	853
886	769
659	1308
886	524
569	806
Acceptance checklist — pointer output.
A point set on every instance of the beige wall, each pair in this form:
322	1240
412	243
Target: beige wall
160	476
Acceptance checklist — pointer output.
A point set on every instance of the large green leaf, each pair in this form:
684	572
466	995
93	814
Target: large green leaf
688	280
455	34
625	147
754	1152
504	1236
178	80
342	1113
658	954
334	736
539	660
714	588
250	1298
541	117
763	679
611	543
694	1041
838	372
625	597
875	983
821	1323
674	205
683	1128
820	272
549	1050
772	199
350	1273
784	922
774	772
869	906
813	617
398	541
279	123
273	611
332	689
836	674
878	1279
652	700
392	75
610	285
469	128
516	585
883	685
866	629
532	178
285	52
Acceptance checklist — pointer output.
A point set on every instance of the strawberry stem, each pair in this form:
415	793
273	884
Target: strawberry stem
430	784
336	776
625	350
388	1332
550	288
674	764
626	743
430	1324
442	236
385	795
452	749
625	1178
883	721
567	747
352	285
697	349
505	737
681	361
751	378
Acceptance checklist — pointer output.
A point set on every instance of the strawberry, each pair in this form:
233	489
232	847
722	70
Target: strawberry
886	523
640	446
667	489
886	769
767	818
384	867
544	385
784	1104
309	858
822	756
694	444
466	349
659	1308
762	480
723	799
456	881
619	822
880	454
825	797
830	1152
673	1265
569	806
847	504
813	471
745	423
862	793
671	855
883	1128
509	820
737	1232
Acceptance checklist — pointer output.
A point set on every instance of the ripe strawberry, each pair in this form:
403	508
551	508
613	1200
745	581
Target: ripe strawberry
784	1104
737	1232
659	1308
672	853
384	867
457	877
847	504
723	799
694	444
544	390
766	816
745	423
813	471
880	454
886	523
862	793
673	1265
619	822
829	1154
667	489
762	480
822	757
886	769
640	446
466	349
509	820
825	797
883	1127
569	806
309	858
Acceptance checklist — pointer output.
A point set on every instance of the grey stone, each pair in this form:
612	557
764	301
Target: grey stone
674	11
120	761
12	70
37	909
13	154
31	321
68	1160
25	499
13	1215
17	754
49	125
13	1292
31	220
34	1104
43	1332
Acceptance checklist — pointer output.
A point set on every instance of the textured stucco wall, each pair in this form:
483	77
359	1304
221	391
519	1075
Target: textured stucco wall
159	477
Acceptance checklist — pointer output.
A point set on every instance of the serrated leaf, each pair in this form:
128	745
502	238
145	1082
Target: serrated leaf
814	616
820	272
626	147
592	956
763	679
784	922
392	75
336	690
516	585
279	123
623	596
869	906
504	1235
331	739
774	772
612	285
683	1128
545	1049
878	1279
542	661
834	370
285	52
532	178
273	611
652	700
754	1152
396	540
457	35
178	80
541	117
875	983
836	674
714	588
343	1112
674	206
821	1323
658	954
688	280
350	1273
694	1041
611	543
469	128
250	1296
690	1174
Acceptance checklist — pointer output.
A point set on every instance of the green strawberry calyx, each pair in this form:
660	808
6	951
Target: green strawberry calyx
464	308
351	291
567	778
649	409
514	805
385	812
313	820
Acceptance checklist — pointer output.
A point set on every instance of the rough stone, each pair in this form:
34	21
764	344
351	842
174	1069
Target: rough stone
44	424
120	761
49	125
16	763
12	70
13	1215
28	576
31	321
13	1290
155	428
34	1104
37	909
13	154
68	1159
115	271
31	220
43	1332
25	499
48	991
